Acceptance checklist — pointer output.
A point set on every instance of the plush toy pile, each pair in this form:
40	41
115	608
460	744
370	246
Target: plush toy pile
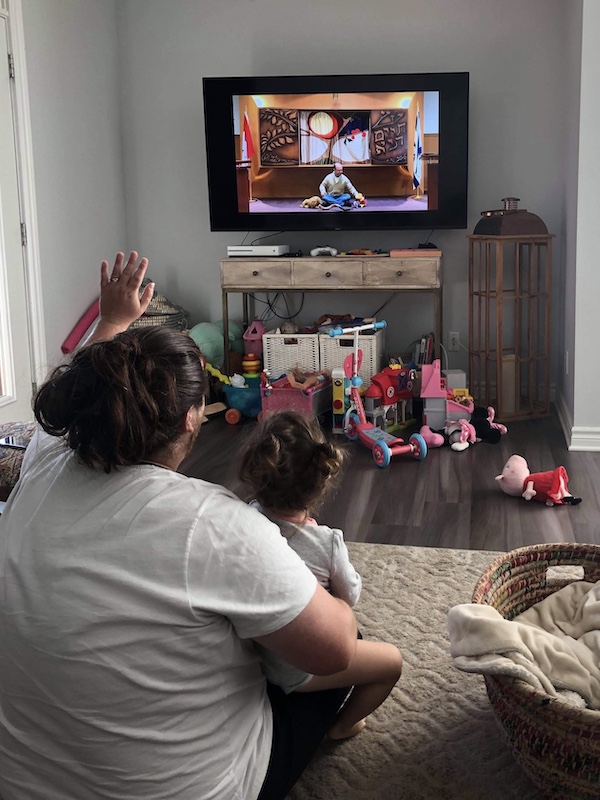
460	434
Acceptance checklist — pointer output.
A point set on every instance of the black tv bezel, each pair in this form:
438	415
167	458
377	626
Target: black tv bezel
453	88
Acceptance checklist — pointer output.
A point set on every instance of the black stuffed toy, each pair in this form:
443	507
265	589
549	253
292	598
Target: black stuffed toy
460	434
482	419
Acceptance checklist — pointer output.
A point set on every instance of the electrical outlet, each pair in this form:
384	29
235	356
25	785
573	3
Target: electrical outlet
454	340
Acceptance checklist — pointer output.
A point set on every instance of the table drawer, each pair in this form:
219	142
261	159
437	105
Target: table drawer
259	273
326	273
402	273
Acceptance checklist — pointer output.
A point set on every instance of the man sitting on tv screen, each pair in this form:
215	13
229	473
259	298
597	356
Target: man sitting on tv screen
337	191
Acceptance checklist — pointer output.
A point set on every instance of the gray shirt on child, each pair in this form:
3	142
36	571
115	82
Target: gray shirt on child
324	552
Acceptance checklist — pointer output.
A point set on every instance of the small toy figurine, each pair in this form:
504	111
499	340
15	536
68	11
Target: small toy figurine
545	487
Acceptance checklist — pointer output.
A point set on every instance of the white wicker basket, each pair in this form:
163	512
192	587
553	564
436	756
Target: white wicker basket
284	351
333	351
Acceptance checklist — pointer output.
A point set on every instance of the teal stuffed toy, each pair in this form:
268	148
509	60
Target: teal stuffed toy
236	340
209	338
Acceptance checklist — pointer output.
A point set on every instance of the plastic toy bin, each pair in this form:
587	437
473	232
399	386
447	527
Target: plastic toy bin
333	351
283	351
280	396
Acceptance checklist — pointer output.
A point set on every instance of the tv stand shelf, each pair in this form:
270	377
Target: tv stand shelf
330	274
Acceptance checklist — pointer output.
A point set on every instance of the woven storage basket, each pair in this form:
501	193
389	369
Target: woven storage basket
162	311
556	743
333	351
283	351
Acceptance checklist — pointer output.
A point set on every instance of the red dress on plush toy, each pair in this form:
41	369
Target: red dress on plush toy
546	487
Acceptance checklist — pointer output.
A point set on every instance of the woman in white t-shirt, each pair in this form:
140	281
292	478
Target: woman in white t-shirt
131	594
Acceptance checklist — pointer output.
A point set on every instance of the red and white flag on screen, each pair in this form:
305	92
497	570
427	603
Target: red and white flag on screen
418	150
247	143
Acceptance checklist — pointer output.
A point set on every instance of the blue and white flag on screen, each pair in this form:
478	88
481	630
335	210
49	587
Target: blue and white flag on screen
417	152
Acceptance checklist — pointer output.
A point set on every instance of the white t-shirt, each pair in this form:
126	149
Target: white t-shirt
126	604
324	552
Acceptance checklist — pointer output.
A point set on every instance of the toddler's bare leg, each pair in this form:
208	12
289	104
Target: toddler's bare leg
373	672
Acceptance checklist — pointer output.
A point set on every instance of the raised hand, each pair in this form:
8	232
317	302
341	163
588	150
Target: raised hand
120	300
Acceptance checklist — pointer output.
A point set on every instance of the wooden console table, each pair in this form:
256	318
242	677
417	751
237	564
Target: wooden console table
330	274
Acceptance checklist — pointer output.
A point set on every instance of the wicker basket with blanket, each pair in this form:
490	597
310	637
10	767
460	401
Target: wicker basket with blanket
557	744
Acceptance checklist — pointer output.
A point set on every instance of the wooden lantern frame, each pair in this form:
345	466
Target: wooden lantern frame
510	282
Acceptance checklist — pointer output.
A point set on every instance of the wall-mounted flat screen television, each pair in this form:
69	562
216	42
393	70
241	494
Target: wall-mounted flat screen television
337	152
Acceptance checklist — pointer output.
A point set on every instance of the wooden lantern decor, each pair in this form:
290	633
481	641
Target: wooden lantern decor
510	269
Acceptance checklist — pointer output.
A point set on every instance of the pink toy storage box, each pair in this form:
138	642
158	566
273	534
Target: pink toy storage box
312	402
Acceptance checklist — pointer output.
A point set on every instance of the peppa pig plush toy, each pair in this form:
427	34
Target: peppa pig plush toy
545	487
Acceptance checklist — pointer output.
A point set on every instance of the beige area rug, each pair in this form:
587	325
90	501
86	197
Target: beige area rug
436	737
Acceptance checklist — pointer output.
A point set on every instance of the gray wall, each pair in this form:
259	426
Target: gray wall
117	120
565	289
72	54
513	50
586	432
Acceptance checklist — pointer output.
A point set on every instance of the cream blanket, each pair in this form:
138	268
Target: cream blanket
554	645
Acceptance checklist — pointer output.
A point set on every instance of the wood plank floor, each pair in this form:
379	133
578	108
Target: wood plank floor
447	500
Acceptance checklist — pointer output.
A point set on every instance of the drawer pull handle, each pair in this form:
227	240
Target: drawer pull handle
255	272
399	273
328	274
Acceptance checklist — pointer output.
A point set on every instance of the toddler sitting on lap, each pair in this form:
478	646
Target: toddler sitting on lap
289	463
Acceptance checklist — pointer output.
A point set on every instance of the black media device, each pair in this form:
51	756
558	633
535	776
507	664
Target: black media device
402	140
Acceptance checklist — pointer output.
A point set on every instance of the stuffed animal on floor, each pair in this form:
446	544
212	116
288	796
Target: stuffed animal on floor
362	200
545	487
311	202
460	434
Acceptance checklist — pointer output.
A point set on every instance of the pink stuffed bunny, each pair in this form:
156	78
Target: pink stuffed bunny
545	487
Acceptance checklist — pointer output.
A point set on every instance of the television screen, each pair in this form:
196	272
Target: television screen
345	152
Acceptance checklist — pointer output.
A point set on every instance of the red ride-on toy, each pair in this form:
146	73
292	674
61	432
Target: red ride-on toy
382	444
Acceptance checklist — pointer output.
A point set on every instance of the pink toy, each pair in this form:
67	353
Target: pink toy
252	337
462	433
545	487
311	397
438	406
356	426
73	339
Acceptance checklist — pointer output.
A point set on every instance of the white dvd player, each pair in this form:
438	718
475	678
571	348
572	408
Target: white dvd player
262	250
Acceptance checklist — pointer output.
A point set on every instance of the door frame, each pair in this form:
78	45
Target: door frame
13	12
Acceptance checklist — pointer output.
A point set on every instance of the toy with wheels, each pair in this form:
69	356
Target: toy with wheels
382	444
243	401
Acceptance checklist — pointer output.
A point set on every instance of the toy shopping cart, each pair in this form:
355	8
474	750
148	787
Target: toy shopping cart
243	401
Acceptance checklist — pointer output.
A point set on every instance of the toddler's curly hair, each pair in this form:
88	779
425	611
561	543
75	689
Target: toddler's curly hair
289	461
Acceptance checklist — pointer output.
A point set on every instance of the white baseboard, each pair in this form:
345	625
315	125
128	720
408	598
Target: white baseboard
578	439
585	439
